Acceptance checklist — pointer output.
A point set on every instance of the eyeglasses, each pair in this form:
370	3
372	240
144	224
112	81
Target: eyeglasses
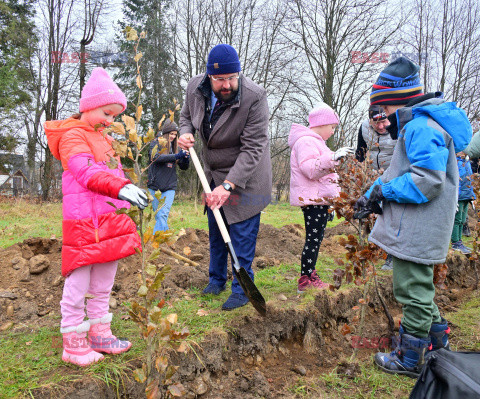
224	79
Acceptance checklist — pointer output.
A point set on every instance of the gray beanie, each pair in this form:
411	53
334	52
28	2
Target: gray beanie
169	126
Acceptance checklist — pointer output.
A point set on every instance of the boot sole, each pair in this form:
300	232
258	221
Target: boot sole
410	374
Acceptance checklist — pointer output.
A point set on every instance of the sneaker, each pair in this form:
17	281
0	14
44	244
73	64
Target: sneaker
213	289
388	263
458	246
235	301
313	281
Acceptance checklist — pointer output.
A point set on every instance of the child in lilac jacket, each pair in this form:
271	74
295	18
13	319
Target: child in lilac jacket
311	179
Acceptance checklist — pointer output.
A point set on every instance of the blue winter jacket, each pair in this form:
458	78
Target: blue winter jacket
465	190
421	184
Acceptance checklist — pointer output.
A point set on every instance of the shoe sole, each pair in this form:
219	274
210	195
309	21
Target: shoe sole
213	293
464	253
228	309
410	374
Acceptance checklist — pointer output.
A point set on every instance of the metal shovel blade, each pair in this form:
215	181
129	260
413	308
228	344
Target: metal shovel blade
248	286
251	291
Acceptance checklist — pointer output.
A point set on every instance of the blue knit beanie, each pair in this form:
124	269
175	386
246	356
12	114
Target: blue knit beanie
223	59
397	84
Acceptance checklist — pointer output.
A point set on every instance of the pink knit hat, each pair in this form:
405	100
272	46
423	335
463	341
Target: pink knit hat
321	115
101	90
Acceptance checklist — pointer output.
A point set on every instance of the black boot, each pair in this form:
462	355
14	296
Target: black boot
407	359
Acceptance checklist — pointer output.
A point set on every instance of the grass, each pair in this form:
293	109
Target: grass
31	359
465	332
28	360
20	219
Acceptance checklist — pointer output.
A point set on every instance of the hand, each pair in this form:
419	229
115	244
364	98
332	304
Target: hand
182	154
217	197
342	152
185	141
365	207
136	196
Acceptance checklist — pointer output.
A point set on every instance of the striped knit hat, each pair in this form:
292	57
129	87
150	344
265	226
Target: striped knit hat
397	84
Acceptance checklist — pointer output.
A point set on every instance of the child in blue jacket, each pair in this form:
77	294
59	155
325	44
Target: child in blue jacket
418	192
465	195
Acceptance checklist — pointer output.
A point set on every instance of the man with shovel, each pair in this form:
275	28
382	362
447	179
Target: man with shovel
230	113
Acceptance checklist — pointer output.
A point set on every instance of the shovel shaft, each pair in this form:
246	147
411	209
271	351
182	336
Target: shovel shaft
245	281
216	212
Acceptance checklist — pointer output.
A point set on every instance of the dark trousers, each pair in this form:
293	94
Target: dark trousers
244	239
315	221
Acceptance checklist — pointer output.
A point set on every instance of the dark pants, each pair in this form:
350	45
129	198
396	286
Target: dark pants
315	221
244	239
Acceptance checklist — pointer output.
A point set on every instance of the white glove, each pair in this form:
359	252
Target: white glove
342	152
134	195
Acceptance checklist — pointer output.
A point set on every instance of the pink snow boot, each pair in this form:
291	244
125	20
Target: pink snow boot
101	338
76	349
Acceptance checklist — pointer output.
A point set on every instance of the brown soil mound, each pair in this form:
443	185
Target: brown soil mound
31	282
257	357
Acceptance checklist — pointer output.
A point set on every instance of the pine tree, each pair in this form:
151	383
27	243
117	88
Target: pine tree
159	74
17	40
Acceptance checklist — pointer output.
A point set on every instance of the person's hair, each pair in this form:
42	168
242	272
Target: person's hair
171	146
78	115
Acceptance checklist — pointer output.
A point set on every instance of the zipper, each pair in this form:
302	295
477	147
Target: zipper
95	219
461	376
401	218
378	153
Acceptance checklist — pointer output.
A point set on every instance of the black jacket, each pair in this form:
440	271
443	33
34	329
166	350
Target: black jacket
162	173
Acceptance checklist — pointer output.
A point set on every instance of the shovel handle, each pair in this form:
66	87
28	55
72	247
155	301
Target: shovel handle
206	188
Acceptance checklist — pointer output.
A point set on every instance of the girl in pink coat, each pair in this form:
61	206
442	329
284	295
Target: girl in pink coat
312	178
94	236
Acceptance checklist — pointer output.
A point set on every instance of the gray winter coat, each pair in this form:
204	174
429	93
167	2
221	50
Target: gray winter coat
421	185
238	148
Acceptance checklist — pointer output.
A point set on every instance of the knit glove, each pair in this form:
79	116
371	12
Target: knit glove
181	154
331	216
342	152
134	195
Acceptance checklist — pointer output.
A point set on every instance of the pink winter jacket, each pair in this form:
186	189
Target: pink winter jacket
311	165
92	231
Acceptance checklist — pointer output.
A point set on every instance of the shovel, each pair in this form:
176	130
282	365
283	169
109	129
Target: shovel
249	288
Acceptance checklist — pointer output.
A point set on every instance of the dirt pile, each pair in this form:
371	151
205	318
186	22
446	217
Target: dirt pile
31	283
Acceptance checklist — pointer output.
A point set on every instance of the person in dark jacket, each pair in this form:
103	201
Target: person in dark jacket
465	195
162	173
419	193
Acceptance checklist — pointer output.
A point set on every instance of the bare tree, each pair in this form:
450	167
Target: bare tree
92	12
327	31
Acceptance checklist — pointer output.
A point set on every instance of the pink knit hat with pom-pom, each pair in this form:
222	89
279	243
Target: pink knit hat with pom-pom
101	90
321	115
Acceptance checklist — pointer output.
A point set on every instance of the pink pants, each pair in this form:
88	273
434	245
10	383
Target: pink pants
96	280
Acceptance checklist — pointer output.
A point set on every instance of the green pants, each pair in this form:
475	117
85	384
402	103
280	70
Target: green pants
413	287
460	218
